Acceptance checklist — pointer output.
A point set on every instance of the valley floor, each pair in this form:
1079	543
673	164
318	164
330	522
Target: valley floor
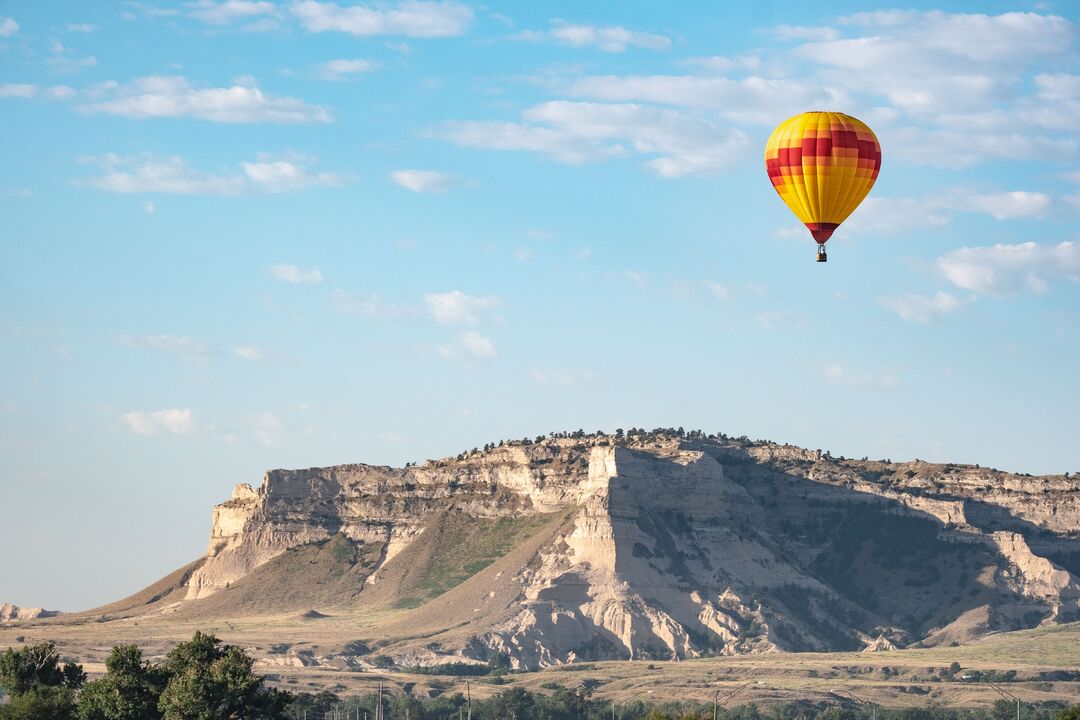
1040	665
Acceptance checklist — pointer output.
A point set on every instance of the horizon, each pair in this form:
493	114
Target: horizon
241	236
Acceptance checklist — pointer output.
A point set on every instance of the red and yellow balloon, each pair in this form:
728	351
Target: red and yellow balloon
822	164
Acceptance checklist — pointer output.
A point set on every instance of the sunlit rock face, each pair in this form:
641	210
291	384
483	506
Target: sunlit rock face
667	546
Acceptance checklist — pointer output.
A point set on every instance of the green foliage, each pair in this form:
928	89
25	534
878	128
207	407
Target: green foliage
208	680
464	548
1072	713
43	702
129	690
36	666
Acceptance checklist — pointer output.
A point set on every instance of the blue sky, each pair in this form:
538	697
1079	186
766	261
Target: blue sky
243	235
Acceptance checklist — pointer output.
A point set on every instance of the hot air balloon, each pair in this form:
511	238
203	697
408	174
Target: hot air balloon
822	164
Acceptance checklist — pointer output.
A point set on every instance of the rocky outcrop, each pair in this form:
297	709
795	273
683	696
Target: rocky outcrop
663	546
13	613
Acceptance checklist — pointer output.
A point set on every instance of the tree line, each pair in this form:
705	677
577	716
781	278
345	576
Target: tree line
204	679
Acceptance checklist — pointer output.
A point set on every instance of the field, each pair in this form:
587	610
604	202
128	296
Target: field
1037	665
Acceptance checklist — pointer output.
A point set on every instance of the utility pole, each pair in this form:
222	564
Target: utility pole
860	699
1005	694
729	696
633	697
468	691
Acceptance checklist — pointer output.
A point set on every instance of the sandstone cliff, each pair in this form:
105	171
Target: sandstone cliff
645	545
13	613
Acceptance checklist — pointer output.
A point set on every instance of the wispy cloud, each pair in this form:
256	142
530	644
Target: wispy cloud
611	38
172	175
8	27
369	305
265	428
470	344
342	69
458	308
578	132
66	60
191	350
296	274
411	18
432	181
1004	269
171	421
174	96
806	32
924	308
230	11
881	215
841	375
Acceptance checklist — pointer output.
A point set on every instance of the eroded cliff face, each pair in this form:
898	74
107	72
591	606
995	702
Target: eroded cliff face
680	547
13	613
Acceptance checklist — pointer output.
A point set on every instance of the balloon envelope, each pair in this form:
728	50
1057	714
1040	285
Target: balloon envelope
822	164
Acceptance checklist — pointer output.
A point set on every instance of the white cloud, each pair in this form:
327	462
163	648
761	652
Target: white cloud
66	60
278	176
1004	269
425	180
411	18
1007	205
921	308
19	90
884	215
561	377
478	345
8	27
81	27
805	32
27	91
266	428
341	69
470	343
578	132
609	39
256	354
929	62
636	277
718	291
164	175
1058	86
841	375
295	274
193	351
457	308
960	148
369	305
228	11
60	92
173	176
725	63
174	96
778	319
174	421
751	100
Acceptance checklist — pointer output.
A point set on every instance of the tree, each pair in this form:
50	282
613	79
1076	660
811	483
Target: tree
208	680
1072	713
34	666
44	702
40	688
129	690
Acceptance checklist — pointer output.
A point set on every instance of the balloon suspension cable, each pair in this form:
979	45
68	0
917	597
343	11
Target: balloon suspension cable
821	255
